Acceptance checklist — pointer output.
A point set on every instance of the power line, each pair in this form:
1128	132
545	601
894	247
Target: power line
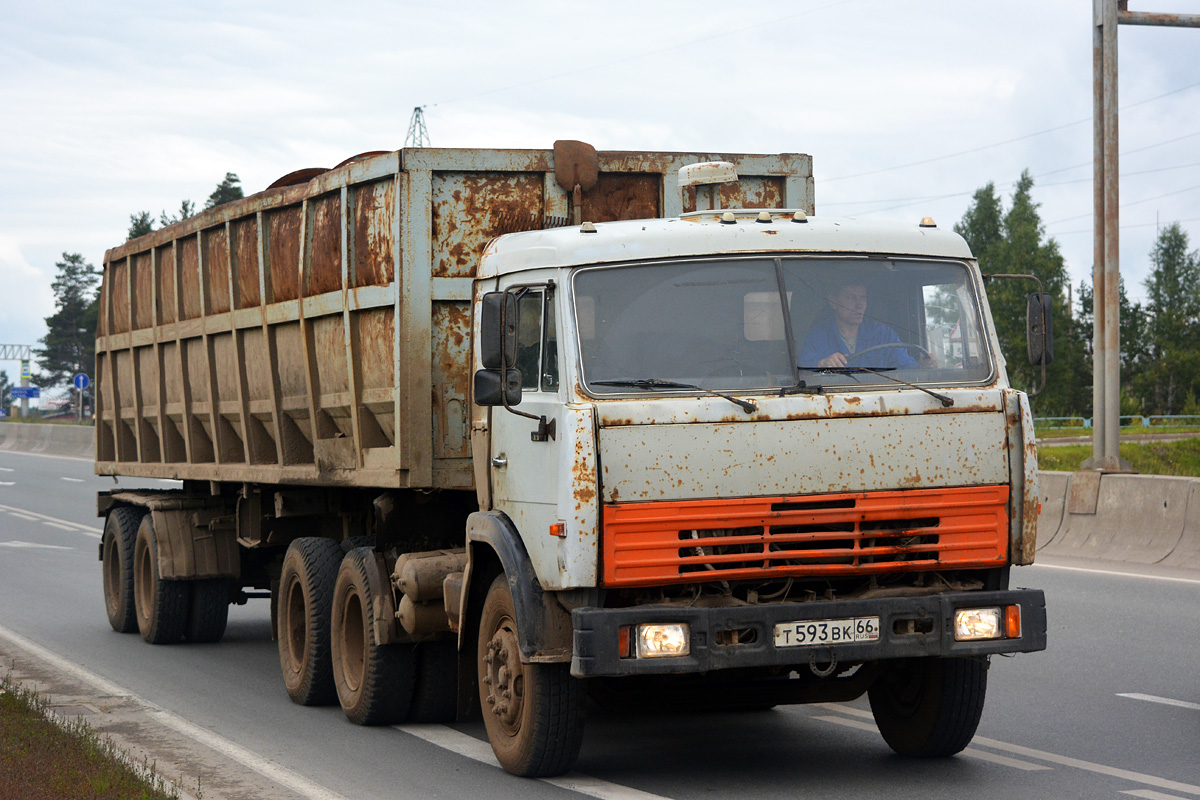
1127	205
925	198
1006	141
1123	227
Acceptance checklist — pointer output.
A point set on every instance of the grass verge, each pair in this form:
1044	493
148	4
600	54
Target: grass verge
1180	458
44	759
1128	430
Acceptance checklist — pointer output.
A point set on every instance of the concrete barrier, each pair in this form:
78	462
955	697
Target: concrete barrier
1134	519
54	440
1052	495
1187	552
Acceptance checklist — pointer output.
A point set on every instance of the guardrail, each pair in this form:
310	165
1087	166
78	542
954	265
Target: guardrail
1131	421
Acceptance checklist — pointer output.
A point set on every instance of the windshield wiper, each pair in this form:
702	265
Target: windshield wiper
659	383
941	398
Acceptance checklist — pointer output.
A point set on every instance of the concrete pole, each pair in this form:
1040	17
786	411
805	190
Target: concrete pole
1106	269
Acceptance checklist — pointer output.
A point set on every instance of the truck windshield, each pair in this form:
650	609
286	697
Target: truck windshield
765	323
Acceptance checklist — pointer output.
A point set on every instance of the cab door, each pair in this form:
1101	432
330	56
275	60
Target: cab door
525	466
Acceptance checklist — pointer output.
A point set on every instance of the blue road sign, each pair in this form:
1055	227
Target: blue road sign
81	381
25	392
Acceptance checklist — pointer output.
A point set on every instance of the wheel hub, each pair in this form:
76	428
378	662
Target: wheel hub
504	678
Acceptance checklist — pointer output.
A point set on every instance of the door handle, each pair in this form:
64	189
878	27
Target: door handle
500	461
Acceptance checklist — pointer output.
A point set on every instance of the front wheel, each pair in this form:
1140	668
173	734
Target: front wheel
533	712
929	707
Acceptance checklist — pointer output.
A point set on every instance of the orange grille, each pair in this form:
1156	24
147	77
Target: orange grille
816	535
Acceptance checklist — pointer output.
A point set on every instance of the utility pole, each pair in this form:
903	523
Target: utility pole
418	134
1106	271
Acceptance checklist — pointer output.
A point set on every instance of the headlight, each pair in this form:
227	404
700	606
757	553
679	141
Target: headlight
971	624
663	640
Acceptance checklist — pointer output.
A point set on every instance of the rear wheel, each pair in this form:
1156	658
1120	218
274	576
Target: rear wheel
929	707
161	605
209	612
435	697
374	681
120	536
533	712
305	598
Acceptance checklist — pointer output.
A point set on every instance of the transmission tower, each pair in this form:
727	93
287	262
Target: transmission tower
418	134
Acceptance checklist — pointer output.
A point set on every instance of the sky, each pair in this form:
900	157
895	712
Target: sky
907	109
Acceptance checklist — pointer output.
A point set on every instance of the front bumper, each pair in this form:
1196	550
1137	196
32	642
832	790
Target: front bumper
596	633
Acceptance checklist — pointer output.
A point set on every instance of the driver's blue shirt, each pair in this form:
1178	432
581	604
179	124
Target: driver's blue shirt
824	340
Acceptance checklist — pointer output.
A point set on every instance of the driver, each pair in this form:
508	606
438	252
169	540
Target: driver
846	330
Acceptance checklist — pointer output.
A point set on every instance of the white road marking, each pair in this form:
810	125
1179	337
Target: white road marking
58	525
74	480
1117	573
8	483
1017	763
26	517
1152	795
46	455
263	766
35	545
1029	752
476	750
1166	701
74	527
7	469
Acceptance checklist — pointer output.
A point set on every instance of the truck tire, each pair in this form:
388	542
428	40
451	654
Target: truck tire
374	681
305	599
162	605
929	707
435	698
533	713
209	611
120	535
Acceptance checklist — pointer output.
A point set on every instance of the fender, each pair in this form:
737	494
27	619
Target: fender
544	629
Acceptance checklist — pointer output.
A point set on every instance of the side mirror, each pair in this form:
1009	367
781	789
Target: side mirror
498	347
489	390
1039	327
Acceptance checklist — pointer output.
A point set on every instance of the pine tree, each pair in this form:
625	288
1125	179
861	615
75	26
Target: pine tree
1014	242
186	209
140	224
227	190
69	344
5	385
1172	323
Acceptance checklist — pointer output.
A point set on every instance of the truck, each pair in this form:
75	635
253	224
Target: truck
500	433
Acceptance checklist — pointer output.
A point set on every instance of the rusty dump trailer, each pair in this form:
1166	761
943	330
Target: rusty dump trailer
319	333
497	430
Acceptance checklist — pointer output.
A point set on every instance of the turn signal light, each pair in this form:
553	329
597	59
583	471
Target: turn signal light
1012	622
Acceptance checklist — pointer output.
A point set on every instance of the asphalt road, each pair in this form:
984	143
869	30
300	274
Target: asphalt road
1110	710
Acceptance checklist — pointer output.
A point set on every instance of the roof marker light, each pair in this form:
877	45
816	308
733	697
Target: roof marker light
927	222
799	216
728	218
587	227
764	216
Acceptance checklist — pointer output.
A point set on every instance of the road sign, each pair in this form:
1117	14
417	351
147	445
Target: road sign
3	413
81	381
25	370
25	392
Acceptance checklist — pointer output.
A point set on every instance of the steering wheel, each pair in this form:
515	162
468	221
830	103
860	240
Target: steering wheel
873	348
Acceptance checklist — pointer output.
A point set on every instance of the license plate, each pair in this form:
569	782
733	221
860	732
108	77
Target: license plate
827	631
